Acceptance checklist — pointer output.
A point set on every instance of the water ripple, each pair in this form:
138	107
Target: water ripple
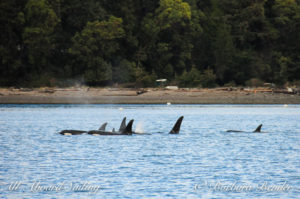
149	166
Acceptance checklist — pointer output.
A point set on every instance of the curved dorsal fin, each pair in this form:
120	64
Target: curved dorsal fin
123	125
102	127
128	129
176	128
258	128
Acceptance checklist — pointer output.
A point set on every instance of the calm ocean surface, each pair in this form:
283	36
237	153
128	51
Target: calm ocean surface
203	161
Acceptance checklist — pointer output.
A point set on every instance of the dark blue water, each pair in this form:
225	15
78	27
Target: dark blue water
203	161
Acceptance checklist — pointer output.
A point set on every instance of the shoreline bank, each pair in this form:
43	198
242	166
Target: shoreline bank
145	96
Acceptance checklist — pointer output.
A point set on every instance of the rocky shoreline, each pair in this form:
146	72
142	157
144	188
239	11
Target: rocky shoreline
86	95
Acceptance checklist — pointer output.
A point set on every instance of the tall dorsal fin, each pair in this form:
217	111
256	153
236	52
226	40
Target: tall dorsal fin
176	128
128	129
103	126
258	128
123	125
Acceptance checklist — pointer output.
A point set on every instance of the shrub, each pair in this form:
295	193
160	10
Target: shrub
208	79
190	79
254	82
195	78
123	72
143	78
230	84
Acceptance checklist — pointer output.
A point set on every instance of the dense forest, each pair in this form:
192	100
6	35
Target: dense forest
191	43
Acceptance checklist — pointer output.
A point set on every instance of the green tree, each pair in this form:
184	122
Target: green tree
221	41
285	15
93	47
40	20
166	47
191	78
11	25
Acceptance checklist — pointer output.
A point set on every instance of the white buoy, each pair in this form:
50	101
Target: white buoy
285	105
169	103
121	109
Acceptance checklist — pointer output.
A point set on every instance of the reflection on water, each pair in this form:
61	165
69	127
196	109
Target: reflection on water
202	161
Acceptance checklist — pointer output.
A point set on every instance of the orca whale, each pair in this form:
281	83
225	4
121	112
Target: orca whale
72	132
124	131
174	130
257	130
127	129
176	127
79	132
102	127
113	132
123	125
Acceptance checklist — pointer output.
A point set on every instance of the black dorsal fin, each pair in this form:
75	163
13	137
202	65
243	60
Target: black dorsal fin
123	125
128	129
176	128
103	126
258	128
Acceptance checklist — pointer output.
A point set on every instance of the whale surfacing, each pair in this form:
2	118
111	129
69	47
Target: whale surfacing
123	125
72	132
125	131
257	130
176	128
102	127
79	132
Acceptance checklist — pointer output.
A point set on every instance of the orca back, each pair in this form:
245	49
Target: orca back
234	131
72	132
